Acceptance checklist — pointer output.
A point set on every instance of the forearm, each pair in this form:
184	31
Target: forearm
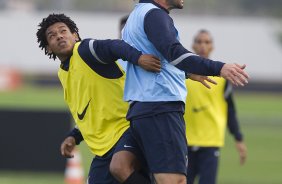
198	65
232	121
76	134
112	50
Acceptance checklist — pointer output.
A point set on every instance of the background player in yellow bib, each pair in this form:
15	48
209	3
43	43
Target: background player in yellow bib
93	86
207	113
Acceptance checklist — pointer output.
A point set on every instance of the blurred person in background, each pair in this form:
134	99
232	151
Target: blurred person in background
93	88
207	113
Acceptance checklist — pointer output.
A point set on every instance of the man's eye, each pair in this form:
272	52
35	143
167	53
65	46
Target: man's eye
205	42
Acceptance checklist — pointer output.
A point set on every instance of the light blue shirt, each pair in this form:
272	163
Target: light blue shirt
144	86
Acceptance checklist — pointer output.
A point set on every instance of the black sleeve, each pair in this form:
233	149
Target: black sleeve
160	30
77	135
108	51
232	121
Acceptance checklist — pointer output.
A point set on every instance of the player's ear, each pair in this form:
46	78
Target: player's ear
49	50
76	37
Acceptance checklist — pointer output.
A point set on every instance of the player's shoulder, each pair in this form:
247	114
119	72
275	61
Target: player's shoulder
156	11
87	46
85	42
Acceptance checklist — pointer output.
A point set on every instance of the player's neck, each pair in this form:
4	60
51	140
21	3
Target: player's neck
63	58
163	4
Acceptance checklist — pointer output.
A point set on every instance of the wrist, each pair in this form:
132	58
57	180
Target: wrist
187	75
75	133
219	66
136	58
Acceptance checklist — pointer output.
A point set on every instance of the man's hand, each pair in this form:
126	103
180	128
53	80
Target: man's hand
150	63
67	147
235	74
202	79
242	150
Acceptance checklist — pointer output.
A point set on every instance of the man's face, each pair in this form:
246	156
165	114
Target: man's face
175	4
60	40
203	44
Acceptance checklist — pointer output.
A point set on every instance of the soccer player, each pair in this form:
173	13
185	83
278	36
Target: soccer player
157	100
93	88
207	113
124	163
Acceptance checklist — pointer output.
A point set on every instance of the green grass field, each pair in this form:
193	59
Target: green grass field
261	122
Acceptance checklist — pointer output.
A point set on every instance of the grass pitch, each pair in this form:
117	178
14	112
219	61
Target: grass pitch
260	116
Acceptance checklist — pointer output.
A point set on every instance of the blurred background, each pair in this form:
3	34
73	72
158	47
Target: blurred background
34	118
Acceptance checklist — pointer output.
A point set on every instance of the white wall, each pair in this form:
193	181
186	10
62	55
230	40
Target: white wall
244	40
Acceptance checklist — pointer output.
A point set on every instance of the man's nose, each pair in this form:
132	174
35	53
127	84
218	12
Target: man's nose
59	36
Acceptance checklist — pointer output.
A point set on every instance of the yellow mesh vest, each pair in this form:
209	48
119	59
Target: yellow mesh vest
206	114
96	104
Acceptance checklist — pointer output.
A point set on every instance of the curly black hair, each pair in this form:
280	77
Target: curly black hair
49	21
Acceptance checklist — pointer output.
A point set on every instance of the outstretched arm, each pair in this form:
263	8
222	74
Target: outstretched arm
109	51
161	32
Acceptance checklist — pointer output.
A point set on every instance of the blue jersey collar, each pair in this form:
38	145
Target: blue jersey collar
65	64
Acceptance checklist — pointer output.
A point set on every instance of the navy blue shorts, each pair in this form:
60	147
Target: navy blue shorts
163	142
203	163
128	143
99	172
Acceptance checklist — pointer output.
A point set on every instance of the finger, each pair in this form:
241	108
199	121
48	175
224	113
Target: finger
62	152
157	69
206	84
211	81
158	65
242	72
240	79
155	57
241	66
68	154
63	147
69	144
155	60
153	69
231	79
234	77
158	61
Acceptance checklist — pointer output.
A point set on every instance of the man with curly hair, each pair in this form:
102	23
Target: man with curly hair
93	88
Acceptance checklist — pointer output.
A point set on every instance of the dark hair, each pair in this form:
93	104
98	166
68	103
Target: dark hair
49	21
202	31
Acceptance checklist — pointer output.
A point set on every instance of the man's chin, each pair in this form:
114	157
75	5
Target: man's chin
180	7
